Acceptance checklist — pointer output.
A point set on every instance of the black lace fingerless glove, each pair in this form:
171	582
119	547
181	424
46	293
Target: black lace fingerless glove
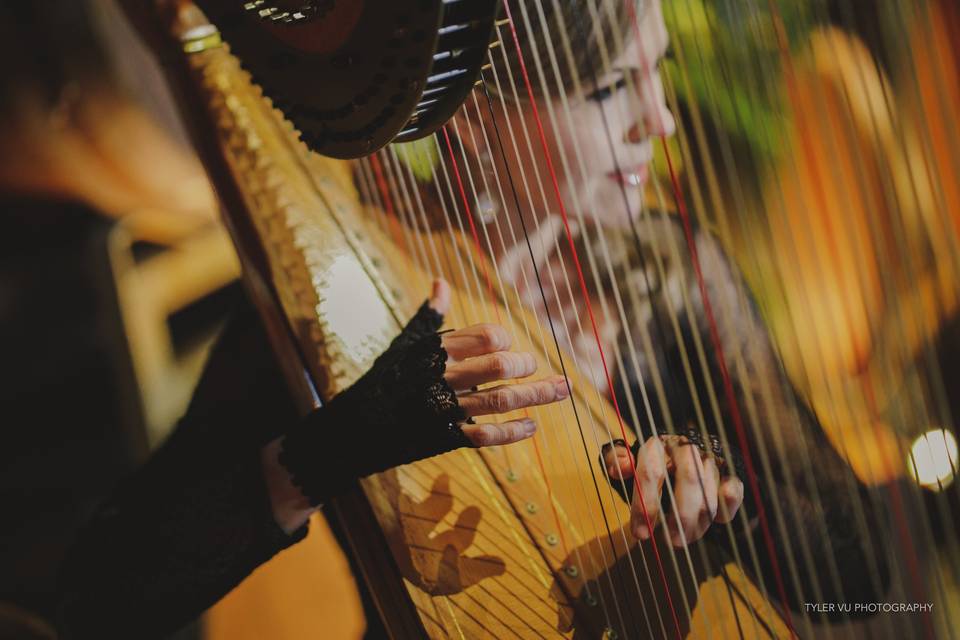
400	411
729	463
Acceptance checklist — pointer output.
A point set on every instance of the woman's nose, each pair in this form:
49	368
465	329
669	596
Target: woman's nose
655	121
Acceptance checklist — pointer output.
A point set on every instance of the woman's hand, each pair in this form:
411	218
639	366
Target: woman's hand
702	495
398	413
479	354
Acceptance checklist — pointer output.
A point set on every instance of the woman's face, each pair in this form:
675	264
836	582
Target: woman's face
616	125
606	140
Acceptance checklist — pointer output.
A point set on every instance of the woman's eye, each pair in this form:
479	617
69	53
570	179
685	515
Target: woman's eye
605	92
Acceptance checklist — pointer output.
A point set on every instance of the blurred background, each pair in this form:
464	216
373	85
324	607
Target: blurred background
819	142
115	275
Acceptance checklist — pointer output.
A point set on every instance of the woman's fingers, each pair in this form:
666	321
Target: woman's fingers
476	340
731	497
618	462
695	493
440	296
491	367
506	398
490	434
650	473
701	496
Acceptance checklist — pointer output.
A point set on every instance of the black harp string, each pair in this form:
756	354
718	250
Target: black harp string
464	113
408	219
730	394
644	267
564	425
603	247
539	234
553	177
559	352
700	547
545	480
540	284
570	295
474	220
658	323
600	593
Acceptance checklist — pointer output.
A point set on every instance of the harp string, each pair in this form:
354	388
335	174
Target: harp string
765	390
561	30
637	117
945	231
435	267
544	478
764	384
523	272
465	115
540	237
900	255
941	411
405	215
652	237
802	450
721	363
817	499
539	233
585	293
412	181
564	325
544	349
604	251
684	356
903	324
467	208
904	537
503	295
372	189
508	523
593	265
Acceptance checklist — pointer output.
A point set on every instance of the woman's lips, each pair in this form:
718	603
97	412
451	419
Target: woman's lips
630	177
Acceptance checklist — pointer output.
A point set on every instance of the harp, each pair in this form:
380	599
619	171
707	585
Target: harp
825	165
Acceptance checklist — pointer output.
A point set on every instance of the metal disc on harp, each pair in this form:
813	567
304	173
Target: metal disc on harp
391	71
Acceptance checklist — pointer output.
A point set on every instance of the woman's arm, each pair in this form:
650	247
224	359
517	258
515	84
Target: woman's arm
240	476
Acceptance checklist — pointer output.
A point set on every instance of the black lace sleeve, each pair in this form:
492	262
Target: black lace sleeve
196	519
400	411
